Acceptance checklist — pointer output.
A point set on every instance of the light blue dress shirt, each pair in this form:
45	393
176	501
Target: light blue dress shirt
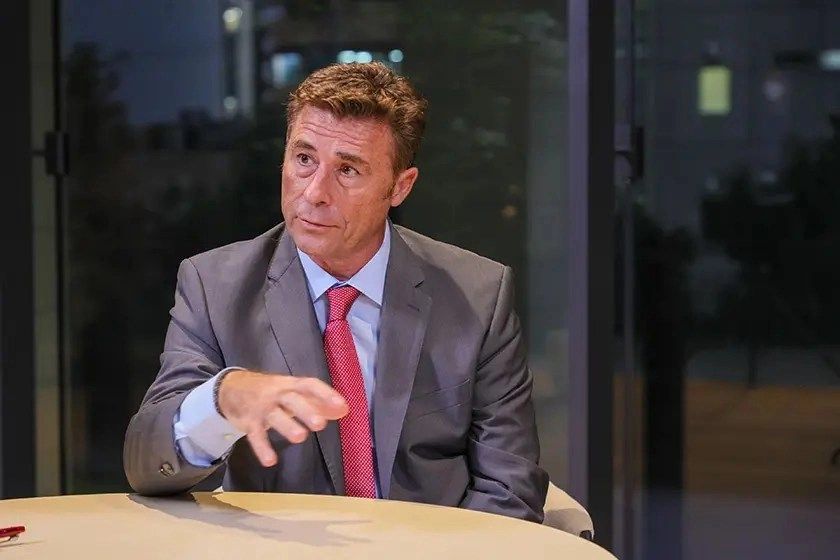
203	436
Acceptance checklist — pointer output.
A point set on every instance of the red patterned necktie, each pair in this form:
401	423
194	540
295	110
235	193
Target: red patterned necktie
346	374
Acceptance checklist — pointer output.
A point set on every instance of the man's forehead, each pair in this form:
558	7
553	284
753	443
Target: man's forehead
323	122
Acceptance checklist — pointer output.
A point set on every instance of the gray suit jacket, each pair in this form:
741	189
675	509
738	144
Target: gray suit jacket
453	418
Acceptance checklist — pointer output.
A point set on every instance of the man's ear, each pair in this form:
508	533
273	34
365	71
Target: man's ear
403	185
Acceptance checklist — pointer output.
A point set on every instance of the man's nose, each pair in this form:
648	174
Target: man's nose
318	190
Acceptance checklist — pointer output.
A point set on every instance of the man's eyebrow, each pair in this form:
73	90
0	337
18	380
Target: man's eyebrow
303	145
353	158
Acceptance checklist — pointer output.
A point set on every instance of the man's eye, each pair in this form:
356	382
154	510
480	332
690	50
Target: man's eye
304	159
348	171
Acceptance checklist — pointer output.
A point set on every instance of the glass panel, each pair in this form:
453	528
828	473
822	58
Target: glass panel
736	271
176	119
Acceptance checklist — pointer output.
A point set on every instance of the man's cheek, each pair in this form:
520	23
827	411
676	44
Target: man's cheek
299	184
291	191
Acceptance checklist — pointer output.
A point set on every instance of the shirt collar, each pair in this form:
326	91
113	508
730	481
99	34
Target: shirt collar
370	280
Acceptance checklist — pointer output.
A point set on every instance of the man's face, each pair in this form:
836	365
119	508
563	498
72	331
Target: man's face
338	184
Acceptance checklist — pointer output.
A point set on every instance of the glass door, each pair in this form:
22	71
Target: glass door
731	241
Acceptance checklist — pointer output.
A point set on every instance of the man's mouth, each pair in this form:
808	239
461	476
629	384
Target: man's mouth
311	223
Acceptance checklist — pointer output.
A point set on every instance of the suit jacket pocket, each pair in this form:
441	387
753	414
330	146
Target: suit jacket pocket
427	403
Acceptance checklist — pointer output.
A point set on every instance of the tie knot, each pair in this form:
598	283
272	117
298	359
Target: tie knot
341	298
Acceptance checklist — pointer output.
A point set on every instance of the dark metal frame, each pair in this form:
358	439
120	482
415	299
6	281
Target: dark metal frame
60	167
17	360
591	218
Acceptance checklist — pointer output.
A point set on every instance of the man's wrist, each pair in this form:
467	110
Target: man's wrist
202	435
217	387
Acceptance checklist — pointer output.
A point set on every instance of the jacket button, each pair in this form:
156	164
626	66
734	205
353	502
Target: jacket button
167	469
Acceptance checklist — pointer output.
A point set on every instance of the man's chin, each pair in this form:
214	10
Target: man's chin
312	243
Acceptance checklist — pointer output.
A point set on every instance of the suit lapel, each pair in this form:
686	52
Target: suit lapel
403	321
295	327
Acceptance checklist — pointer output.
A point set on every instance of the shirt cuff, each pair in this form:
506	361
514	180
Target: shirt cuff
202	435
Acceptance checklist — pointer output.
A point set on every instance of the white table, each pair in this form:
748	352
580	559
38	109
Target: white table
277	526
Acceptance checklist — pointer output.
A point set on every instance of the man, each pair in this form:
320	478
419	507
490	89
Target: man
401	354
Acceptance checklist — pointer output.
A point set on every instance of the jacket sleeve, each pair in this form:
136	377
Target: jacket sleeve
503	449
191	356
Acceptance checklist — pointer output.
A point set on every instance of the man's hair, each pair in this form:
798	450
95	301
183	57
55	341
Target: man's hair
368	90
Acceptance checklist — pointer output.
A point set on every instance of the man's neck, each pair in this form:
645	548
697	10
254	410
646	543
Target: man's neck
344	269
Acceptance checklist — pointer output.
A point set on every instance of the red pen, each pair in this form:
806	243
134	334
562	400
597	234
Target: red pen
10	533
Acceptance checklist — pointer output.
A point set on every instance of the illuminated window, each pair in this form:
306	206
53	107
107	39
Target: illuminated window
231	105
232	18
714	90
830	60
346	57
286	68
